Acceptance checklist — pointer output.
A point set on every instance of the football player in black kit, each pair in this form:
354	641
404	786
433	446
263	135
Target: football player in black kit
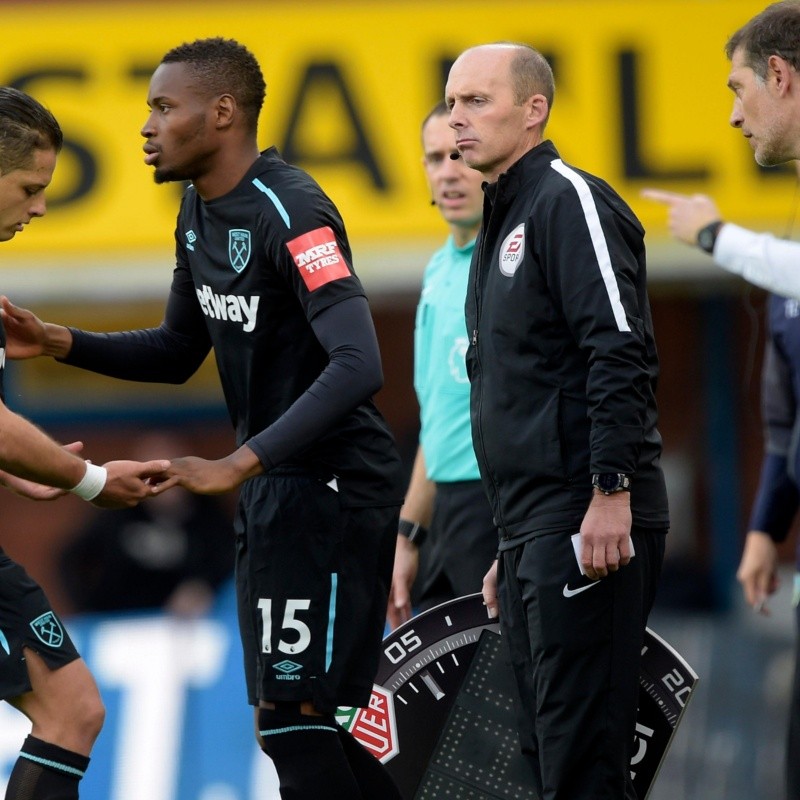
41	672
264	277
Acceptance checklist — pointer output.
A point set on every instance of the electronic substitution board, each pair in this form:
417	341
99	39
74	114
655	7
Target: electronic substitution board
441	716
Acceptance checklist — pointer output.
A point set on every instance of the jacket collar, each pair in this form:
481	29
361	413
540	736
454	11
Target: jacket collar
528	168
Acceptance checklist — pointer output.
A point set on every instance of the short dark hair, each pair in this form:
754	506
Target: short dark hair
439	110
25	125
223	66
531	74
775	31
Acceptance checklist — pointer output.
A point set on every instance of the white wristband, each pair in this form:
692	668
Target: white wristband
92	483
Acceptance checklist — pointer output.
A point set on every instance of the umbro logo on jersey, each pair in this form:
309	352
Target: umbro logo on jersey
239	248
230	307
191	238
512	251
318	258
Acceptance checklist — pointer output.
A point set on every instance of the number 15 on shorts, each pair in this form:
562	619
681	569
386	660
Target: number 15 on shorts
295	635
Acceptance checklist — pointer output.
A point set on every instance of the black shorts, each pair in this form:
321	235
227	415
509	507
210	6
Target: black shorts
312	581
461	545
27	620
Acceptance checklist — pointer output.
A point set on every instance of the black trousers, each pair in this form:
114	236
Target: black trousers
575	648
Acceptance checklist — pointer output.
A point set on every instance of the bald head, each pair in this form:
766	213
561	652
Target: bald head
499	96
527	69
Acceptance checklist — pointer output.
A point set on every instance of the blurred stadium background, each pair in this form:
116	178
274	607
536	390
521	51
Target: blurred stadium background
640	100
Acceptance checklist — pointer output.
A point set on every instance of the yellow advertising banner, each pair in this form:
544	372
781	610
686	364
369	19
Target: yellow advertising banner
641	100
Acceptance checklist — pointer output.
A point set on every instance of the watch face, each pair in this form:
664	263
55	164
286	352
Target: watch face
707	237
442	713
609	482
705	240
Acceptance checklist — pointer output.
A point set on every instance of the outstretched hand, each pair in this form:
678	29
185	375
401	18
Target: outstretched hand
200	475
130	482
687	213
25	332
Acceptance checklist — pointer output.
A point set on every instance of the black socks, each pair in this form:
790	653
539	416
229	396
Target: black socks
316	759
45	772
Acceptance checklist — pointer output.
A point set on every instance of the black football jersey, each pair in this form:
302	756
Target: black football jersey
258	264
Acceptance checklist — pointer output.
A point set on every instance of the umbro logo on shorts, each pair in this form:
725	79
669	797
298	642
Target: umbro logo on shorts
287	666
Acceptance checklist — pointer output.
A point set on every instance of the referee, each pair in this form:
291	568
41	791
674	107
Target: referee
447	539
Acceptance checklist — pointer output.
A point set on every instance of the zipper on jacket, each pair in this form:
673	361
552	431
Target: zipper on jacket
476	294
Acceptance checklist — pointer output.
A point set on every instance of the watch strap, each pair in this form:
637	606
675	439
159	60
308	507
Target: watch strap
412	531
707	236
611	482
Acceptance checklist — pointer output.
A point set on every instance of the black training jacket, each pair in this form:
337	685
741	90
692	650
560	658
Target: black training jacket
562	359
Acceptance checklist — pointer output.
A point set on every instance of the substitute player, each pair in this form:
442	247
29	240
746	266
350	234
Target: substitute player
264	277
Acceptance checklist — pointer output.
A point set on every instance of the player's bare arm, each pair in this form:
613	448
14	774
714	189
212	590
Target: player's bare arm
218	476
30	454
28	337
127	483
32	490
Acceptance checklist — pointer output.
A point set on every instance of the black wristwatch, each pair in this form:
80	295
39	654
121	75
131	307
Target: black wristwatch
611	482
413	531
707	237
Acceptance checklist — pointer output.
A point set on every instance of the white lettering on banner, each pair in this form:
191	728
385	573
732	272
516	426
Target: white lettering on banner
154	665
231	307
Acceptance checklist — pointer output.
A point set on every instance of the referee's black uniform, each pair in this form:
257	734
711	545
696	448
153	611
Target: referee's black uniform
563	369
